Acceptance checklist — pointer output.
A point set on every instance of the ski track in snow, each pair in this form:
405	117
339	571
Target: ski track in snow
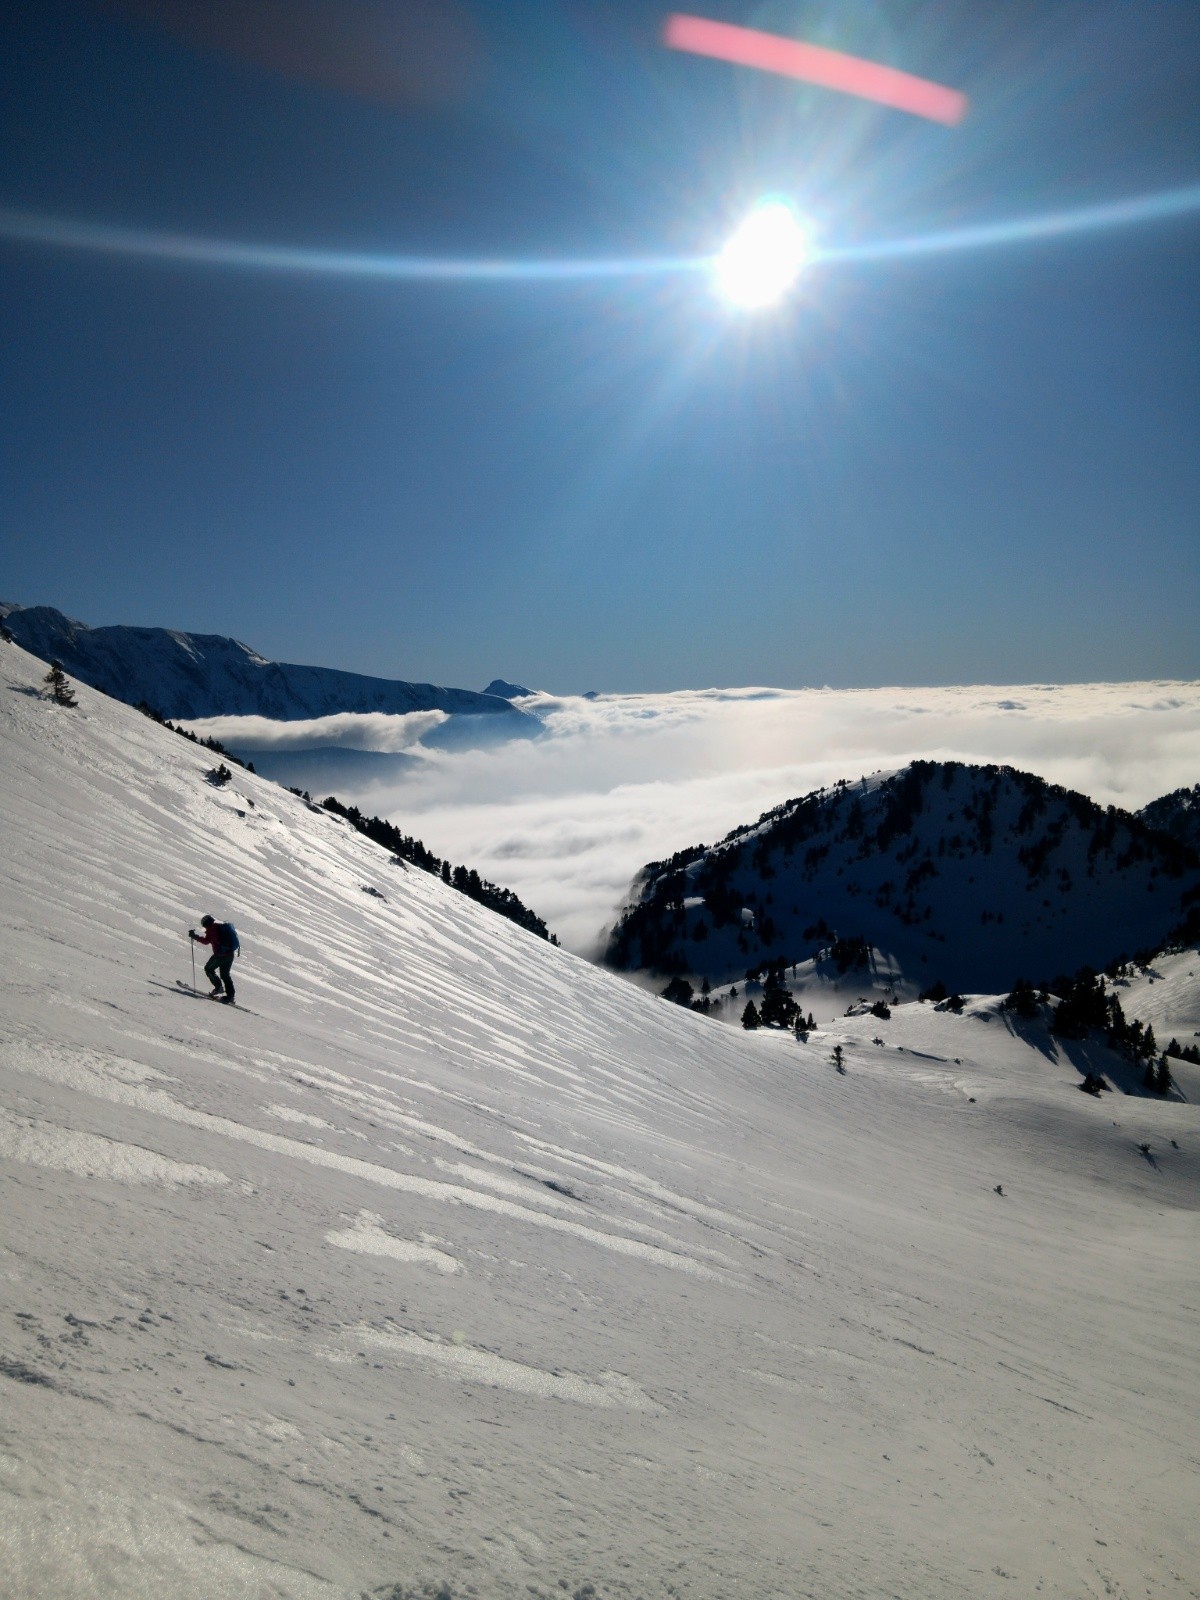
454	1258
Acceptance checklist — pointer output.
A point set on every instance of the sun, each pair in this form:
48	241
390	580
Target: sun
764	258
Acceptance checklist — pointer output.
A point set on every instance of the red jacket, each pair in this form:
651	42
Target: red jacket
212	936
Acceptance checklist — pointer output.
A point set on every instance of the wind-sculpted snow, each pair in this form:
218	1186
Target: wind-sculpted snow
447	1259
472	1365
369	1237
41	1144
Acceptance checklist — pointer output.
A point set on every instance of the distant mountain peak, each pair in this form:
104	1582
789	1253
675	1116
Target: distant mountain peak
503	690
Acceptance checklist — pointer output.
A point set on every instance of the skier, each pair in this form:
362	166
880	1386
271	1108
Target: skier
218	967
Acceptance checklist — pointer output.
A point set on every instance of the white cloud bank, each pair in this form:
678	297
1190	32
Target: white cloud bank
349	730
567	820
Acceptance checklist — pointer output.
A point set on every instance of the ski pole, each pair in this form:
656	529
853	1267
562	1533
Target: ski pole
192	943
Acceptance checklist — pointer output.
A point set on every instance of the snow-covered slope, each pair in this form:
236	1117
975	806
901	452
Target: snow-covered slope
207	675
972	875
454	1260
1166	995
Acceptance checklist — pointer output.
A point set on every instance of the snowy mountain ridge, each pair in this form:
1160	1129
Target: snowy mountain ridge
450	1264
206	675
969	875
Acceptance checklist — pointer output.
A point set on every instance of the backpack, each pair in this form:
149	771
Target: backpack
230	943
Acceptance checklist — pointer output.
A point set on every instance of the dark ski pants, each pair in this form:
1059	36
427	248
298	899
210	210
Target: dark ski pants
218	970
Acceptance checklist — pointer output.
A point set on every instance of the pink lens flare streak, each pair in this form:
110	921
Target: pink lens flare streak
812	63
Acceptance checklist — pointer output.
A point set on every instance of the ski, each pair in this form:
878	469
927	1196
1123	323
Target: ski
198	994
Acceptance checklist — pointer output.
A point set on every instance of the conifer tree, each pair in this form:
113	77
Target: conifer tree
680	991
750	1016
60	685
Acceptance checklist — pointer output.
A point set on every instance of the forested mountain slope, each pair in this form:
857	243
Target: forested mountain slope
1176	813
971	875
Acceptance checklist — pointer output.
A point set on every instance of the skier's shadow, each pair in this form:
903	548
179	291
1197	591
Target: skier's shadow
186	992
185	989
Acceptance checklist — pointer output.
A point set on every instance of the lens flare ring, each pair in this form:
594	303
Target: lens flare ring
26	227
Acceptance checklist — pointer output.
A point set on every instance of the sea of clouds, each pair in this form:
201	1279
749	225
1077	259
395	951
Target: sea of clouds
347	730
567	819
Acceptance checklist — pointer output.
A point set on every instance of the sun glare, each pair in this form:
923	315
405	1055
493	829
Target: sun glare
764	258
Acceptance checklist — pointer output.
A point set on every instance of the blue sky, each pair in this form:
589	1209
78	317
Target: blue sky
968	468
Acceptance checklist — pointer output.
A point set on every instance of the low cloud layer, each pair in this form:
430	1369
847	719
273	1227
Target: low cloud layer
568	819
349	730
